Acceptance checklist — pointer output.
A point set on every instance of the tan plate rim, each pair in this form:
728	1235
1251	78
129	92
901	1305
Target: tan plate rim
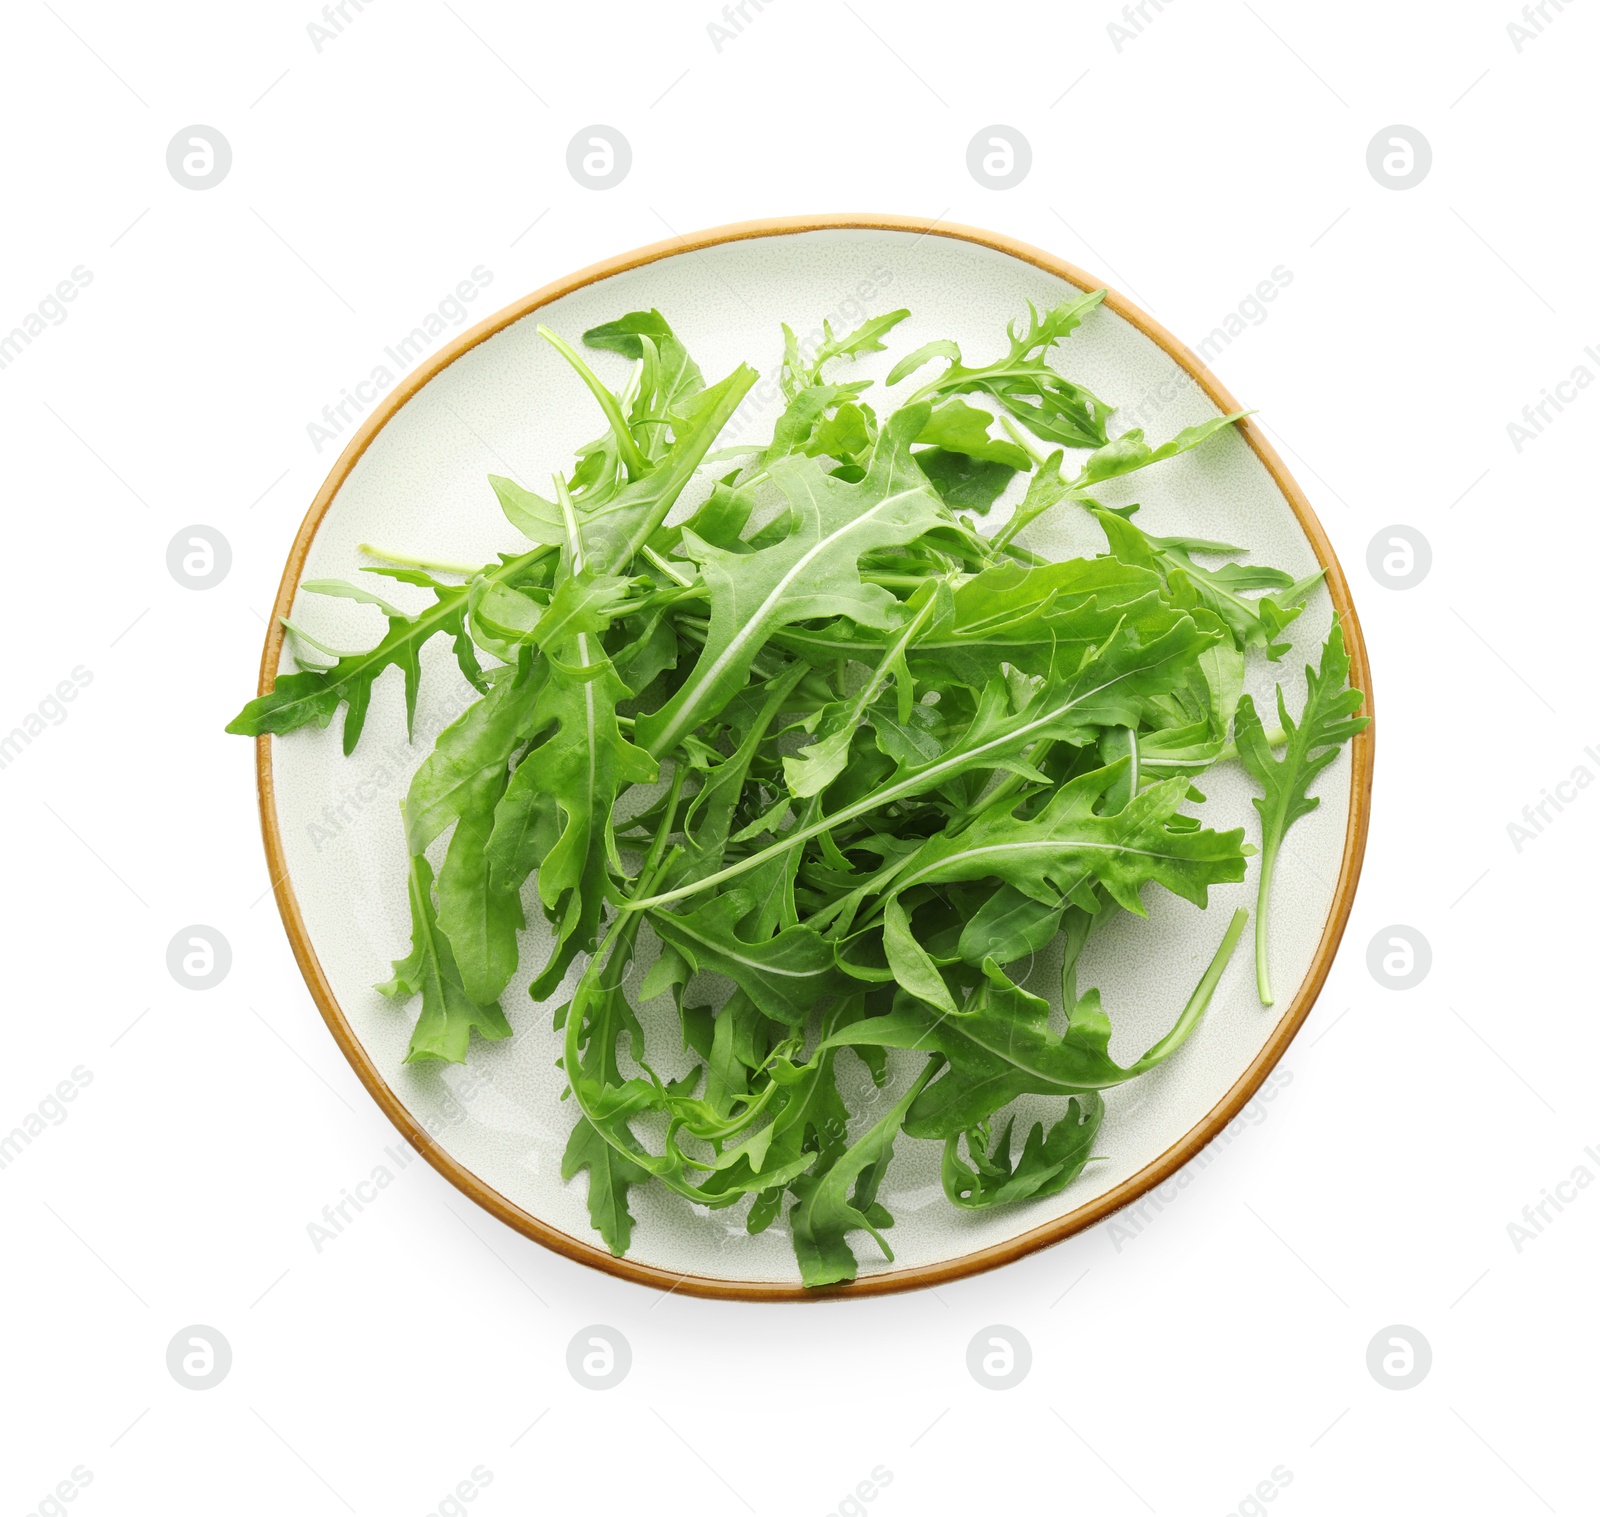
1154	1173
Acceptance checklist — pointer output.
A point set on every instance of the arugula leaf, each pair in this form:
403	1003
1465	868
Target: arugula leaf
964	482
1060	853
789	976
313	695
1130	451
1102	692
810	573
449	1014
1327	722
827	1207
957	427
1045	1167
582	767
1042	399
611	1176
1001	1045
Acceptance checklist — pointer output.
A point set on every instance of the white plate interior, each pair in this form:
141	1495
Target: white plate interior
511	406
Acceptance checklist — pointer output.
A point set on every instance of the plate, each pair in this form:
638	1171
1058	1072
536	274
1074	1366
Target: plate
500	400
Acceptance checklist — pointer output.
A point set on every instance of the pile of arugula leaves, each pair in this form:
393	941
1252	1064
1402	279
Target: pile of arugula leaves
851	760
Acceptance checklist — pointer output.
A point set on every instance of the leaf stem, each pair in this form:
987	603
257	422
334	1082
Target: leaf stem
633	459
421	563
1020	438
1263	983
1201	998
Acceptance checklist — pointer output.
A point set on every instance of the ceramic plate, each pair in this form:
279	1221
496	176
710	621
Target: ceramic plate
501	400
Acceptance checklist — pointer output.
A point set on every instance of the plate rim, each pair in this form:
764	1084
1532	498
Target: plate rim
1137	1185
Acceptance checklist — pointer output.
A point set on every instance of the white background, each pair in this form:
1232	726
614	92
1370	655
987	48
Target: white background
1171	1373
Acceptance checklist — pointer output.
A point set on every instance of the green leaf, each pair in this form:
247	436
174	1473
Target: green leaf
449	1015
863	340
828	1209
481	922
1104	691
1327	722
811	573
611	1176
537	519
581	767
787	976
616	530
1057	854
914	971
477	744
964	483
1045	1167
1130	451
1001	1045
311	697
957	427
1042	399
